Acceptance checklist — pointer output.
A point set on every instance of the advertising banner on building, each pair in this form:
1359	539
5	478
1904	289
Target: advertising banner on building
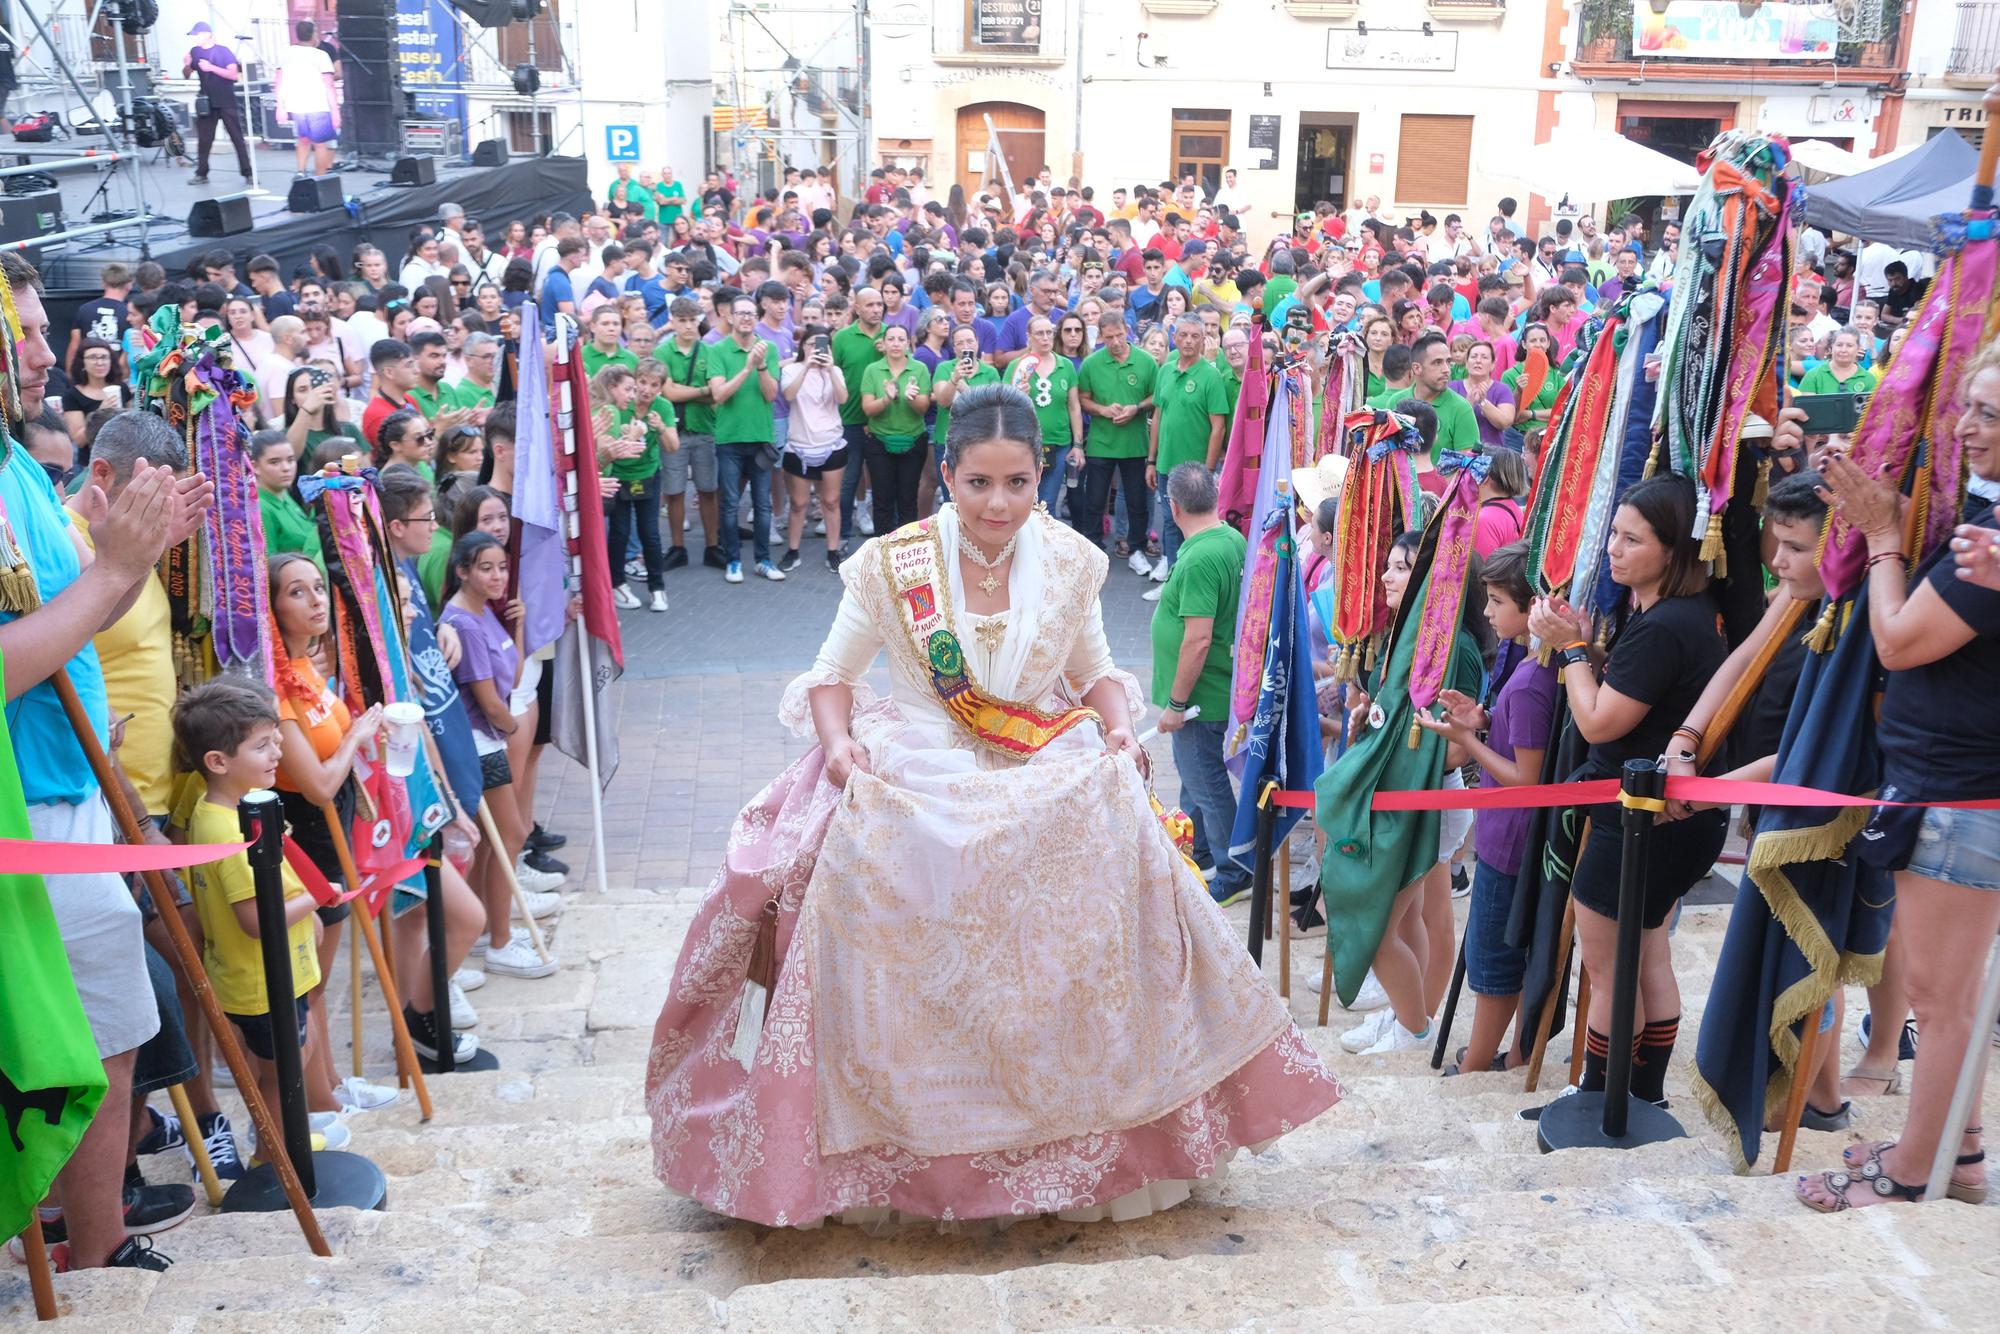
431	58
1720	30
1014	23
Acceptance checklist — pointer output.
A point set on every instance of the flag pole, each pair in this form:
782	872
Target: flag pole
590	750
566	415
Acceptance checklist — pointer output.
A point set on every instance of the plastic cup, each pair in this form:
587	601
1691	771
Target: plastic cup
405	725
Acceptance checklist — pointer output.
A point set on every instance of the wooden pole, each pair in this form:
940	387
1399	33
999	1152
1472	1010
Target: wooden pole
513	882
1285	906
354	981
406	1055
1326	983
1795	1098
185	954
197	1147
40	1279
1578	1037
1546	1024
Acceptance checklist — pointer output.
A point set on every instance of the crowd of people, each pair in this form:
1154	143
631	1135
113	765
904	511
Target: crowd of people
767	369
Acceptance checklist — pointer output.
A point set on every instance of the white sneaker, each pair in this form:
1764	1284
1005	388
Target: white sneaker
635	569
462	1013
771	572
534	881
1160	570
1152	594
543	904
1139	565
864	521
1397	1038
624	598
517	958
819	528
659	602
1370	997
478	951
469	979
1368	1032
329	1127
358	1095
733	574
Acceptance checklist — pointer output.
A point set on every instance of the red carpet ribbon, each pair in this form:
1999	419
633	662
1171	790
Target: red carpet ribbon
26	856
1715	791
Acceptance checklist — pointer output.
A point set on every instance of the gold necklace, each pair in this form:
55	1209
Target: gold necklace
972	553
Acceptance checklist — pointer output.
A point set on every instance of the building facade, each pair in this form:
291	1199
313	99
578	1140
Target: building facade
1419	103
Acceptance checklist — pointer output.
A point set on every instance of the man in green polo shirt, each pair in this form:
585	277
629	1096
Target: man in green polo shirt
1190	416
606	346
1115	385
1430	365
1194	630
855	349
434	398
742	380
686	358
475	393
670	196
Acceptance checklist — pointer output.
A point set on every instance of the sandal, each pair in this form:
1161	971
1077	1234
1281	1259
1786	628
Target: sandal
1871	1086
1871	1175
1965	1192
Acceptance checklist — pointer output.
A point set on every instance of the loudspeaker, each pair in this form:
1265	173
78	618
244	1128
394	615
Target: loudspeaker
414	171
490	153
224	215
315	194
371	82
27	214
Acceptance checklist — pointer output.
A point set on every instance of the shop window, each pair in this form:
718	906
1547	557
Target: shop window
1433	159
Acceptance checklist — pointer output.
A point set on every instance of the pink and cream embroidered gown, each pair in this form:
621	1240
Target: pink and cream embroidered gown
1000	990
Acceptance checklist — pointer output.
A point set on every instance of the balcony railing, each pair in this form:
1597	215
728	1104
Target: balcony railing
1975	50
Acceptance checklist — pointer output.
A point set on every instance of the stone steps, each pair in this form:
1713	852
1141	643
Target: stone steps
1418	1202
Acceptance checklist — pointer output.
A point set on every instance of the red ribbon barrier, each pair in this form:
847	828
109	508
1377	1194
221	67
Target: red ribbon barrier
1715	791
26	856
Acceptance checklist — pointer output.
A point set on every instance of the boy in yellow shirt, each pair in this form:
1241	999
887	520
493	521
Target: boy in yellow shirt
227	733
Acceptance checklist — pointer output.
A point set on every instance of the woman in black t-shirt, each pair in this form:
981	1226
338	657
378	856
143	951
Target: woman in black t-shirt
97	380
1663	651
1939	637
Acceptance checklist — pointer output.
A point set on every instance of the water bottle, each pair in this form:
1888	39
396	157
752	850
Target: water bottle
1073	475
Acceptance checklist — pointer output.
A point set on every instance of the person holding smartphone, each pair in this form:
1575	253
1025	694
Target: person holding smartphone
815	453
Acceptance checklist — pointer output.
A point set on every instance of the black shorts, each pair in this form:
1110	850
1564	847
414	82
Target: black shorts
1682	854
315	840
545	695
494	771
795	466
258	1035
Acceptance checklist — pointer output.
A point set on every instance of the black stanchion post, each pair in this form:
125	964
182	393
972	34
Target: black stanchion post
446	1062
1450	1009
330	1180
1611	1119
1260	875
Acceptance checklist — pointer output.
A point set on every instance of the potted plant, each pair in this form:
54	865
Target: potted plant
1601	26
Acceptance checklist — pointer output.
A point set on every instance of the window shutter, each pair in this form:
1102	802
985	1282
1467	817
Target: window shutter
1433	160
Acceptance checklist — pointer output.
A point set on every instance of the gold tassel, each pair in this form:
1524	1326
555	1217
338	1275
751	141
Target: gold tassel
18	592
1416	733
1821	638
1368	663
1711	544
1763	490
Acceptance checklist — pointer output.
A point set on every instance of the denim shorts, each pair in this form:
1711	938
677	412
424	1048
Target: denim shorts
1959	848
1492	966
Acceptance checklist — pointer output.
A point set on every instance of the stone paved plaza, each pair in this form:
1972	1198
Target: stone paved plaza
528	1202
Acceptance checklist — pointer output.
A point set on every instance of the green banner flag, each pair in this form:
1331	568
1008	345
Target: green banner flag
51	1079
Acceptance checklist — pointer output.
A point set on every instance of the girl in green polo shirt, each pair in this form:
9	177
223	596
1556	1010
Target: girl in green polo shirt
1049	381
630	435
895	395
287	526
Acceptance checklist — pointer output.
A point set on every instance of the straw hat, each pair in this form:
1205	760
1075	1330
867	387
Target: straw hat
1316	483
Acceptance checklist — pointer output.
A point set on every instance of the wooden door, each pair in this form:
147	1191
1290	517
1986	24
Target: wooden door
1021	138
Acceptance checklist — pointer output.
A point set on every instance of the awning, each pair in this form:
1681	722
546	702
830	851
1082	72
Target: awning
1597	166
1897	202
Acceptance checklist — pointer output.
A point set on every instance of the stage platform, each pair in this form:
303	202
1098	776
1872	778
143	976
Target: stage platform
376	211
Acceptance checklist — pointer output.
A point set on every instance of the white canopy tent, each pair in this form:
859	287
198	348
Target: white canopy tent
1825	160
1598	166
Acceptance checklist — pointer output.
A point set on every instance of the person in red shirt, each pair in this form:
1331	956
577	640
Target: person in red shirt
1131	259
395	375
1168	242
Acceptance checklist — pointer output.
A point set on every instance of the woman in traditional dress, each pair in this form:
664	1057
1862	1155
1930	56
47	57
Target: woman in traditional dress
954	966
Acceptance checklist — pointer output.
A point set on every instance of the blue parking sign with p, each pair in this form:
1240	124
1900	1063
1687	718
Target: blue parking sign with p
621	143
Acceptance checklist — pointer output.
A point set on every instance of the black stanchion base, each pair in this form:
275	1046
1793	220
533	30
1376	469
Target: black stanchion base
341	1181
481	1060
1577	1122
